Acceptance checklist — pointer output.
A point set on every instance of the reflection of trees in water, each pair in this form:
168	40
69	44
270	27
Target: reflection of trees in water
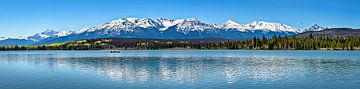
182	70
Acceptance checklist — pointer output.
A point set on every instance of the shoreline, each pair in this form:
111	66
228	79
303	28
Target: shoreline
187	49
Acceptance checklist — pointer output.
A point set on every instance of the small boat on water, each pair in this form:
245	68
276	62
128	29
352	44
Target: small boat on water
114	51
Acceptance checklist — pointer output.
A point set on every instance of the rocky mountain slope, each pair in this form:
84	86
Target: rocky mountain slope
162	28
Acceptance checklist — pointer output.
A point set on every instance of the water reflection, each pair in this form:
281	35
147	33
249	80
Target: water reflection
204	71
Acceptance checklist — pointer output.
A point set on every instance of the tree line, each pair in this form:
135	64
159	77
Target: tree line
263	43
293	43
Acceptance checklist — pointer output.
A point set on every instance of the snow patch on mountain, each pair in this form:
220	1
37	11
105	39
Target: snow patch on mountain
166	23
315	27
126	24
192	24
231	24
269	26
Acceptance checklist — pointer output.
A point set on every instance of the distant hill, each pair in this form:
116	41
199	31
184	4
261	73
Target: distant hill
332	32
8	42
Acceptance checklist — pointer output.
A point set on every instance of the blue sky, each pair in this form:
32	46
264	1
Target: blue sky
26	17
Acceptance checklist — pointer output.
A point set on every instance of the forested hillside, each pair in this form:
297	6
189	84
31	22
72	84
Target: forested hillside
275	43
332	32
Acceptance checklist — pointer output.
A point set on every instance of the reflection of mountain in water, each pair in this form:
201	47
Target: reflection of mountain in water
191	70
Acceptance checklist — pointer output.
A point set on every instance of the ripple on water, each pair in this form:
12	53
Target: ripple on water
59	70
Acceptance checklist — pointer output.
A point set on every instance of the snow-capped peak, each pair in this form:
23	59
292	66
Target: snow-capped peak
315	27
192	24
269	26
127	24
231	24
49	33
166	23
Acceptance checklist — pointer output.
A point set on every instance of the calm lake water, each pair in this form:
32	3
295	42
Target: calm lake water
180	69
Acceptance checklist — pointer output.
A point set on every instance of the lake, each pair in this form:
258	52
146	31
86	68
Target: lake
180	69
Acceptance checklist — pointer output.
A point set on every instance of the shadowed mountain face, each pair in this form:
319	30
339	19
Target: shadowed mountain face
332	32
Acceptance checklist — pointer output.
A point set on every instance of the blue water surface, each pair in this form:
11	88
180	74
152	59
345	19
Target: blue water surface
180	69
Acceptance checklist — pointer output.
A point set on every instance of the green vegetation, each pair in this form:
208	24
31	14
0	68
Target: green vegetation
275	43
76	45
292	43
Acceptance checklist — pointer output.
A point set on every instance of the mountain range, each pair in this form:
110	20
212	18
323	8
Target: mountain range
332	33
162	29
